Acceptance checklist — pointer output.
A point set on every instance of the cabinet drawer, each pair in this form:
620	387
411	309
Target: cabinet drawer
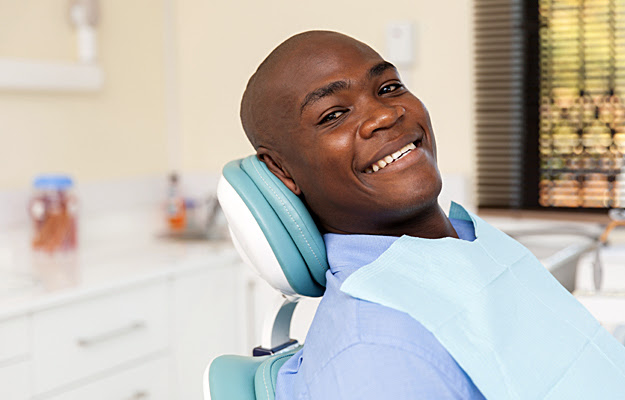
77	340
13	338
146	382
14	381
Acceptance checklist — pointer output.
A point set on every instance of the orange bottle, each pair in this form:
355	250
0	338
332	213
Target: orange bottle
176	215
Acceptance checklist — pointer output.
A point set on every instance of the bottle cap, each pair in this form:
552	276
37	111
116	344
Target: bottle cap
55	182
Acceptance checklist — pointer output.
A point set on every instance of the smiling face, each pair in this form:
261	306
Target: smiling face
348	137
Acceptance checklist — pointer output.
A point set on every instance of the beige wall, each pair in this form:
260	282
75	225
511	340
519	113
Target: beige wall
175	71
116	132
221	44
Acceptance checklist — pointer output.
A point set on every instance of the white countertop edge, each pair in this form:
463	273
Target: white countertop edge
224	258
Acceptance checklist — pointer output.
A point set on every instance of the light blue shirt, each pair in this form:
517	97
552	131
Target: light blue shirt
361	350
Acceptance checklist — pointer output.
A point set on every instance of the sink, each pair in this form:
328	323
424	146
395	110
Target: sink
558	245
559	253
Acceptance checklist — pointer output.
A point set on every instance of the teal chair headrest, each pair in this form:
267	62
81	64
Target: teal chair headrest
272	228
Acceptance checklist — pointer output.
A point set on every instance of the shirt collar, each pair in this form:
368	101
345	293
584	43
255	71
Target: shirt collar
355	251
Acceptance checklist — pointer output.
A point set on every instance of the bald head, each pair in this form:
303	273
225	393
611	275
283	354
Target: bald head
326	114
269	107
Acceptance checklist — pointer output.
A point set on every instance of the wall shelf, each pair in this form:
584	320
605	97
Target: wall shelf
28	75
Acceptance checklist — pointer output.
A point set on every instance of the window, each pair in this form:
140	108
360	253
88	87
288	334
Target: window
550	76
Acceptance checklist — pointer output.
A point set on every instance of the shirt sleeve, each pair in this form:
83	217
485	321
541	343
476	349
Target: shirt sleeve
373	371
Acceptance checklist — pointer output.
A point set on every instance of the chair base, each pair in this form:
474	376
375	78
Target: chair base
245	378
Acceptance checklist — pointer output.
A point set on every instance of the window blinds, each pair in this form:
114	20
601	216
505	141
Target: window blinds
500	116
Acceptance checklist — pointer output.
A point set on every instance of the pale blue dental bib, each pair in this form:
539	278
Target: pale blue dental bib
509	324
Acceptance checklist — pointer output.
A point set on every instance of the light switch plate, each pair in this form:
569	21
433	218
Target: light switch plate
400	43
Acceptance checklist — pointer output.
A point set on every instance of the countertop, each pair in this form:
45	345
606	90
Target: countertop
116	249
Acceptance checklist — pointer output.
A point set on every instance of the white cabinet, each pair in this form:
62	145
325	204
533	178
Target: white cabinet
14	363
14	380
98	335
144	338
13	338
206	324
149	381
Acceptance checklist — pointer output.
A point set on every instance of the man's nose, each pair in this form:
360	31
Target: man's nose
380	117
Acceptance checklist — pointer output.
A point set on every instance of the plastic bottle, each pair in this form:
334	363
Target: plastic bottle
176	215
53	210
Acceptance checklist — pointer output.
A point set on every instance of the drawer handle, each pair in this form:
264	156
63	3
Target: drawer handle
112	334
141	394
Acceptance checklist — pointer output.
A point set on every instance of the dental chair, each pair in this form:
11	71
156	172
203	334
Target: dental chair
275	235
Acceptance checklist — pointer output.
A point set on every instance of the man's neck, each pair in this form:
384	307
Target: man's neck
431	223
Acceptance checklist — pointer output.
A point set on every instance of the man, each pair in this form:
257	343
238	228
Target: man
332	120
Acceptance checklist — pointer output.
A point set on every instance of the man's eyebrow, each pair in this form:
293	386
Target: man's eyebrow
322	92
336	86
379	69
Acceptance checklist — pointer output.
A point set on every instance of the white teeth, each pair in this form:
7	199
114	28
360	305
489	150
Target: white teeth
407	147
378	165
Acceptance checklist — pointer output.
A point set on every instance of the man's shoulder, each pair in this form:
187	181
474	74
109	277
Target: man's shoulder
382	369
351	340
346	324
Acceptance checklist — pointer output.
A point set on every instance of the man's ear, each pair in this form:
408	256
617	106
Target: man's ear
278	169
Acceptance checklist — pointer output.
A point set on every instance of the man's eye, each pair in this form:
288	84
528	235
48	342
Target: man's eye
391	88
331	116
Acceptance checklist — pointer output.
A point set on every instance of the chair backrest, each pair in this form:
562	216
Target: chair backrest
275	235
272	229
